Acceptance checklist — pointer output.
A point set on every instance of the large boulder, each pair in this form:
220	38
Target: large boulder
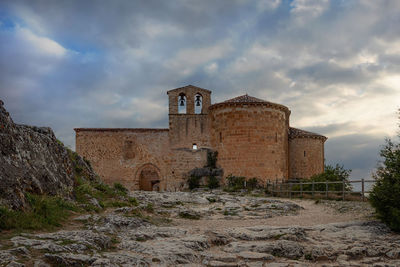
33	160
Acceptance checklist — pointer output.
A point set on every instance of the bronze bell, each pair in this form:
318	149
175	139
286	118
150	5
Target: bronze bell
181	100
198	101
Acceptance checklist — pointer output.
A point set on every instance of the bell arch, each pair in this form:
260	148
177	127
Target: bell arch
182	104
198	104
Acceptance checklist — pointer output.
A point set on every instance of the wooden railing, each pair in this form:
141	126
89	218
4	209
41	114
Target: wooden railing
294	189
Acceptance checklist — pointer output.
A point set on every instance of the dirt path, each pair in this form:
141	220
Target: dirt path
311	214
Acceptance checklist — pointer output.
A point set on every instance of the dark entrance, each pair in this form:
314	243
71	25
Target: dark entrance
149	179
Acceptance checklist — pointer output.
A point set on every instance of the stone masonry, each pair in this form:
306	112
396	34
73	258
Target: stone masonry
252	137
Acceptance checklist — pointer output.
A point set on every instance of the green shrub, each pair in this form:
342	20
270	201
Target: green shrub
385	195
133	201
107	196
212	159
235	183
102	187
149	207
48	211
212	182
120	189
252	183
83	192
193	182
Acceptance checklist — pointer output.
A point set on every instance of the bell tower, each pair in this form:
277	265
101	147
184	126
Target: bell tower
188	117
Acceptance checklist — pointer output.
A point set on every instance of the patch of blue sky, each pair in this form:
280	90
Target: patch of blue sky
87	51
8	22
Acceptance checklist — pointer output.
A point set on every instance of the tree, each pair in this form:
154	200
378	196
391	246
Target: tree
331	173
385	195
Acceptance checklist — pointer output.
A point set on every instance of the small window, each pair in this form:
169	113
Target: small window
198	103
304	153
220	137
276	137
182	104
194	147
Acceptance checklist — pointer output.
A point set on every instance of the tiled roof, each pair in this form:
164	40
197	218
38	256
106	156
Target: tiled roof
298	133
245	99
251	100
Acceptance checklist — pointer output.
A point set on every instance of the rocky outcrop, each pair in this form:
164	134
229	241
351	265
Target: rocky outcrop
33	160
121	238
214	205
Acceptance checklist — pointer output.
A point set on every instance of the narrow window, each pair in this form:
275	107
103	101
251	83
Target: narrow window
276	137
198	103
304	153
194	147
220	137
182	104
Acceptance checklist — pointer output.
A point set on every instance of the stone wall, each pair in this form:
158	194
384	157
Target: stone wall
251	140
186	130
306	157
119	155
184	160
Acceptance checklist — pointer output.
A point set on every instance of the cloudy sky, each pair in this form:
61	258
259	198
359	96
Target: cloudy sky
335	64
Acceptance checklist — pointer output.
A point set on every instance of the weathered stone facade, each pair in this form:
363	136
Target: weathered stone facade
252	137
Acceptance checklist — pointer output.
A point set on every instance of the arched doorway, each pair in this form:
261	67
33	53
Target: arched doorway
149	179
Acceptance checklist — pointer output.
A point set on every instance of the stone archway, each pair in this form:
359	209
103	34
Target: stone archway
149	177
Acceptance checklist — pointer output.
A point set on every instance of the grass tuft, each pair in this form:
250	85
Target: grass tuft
46	212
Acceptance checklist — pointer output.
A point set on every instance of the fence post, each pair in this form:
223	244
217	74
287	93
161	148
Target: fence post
326	190
301	189
285	189
362	189
312	189
343	187
288	194
271	185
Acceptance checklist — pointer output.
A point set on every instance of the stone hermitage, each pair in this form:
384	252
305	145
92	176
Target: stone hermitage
252	137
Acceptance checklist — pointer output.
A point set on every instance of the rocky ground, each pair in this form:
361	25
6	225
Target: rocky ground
211	229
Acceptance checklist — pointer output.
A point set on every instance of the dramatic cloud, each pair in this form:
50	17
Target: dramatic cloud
335	64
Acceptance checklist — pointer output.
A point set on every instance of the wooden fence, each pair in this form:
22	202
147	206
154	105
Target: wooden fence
313	189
